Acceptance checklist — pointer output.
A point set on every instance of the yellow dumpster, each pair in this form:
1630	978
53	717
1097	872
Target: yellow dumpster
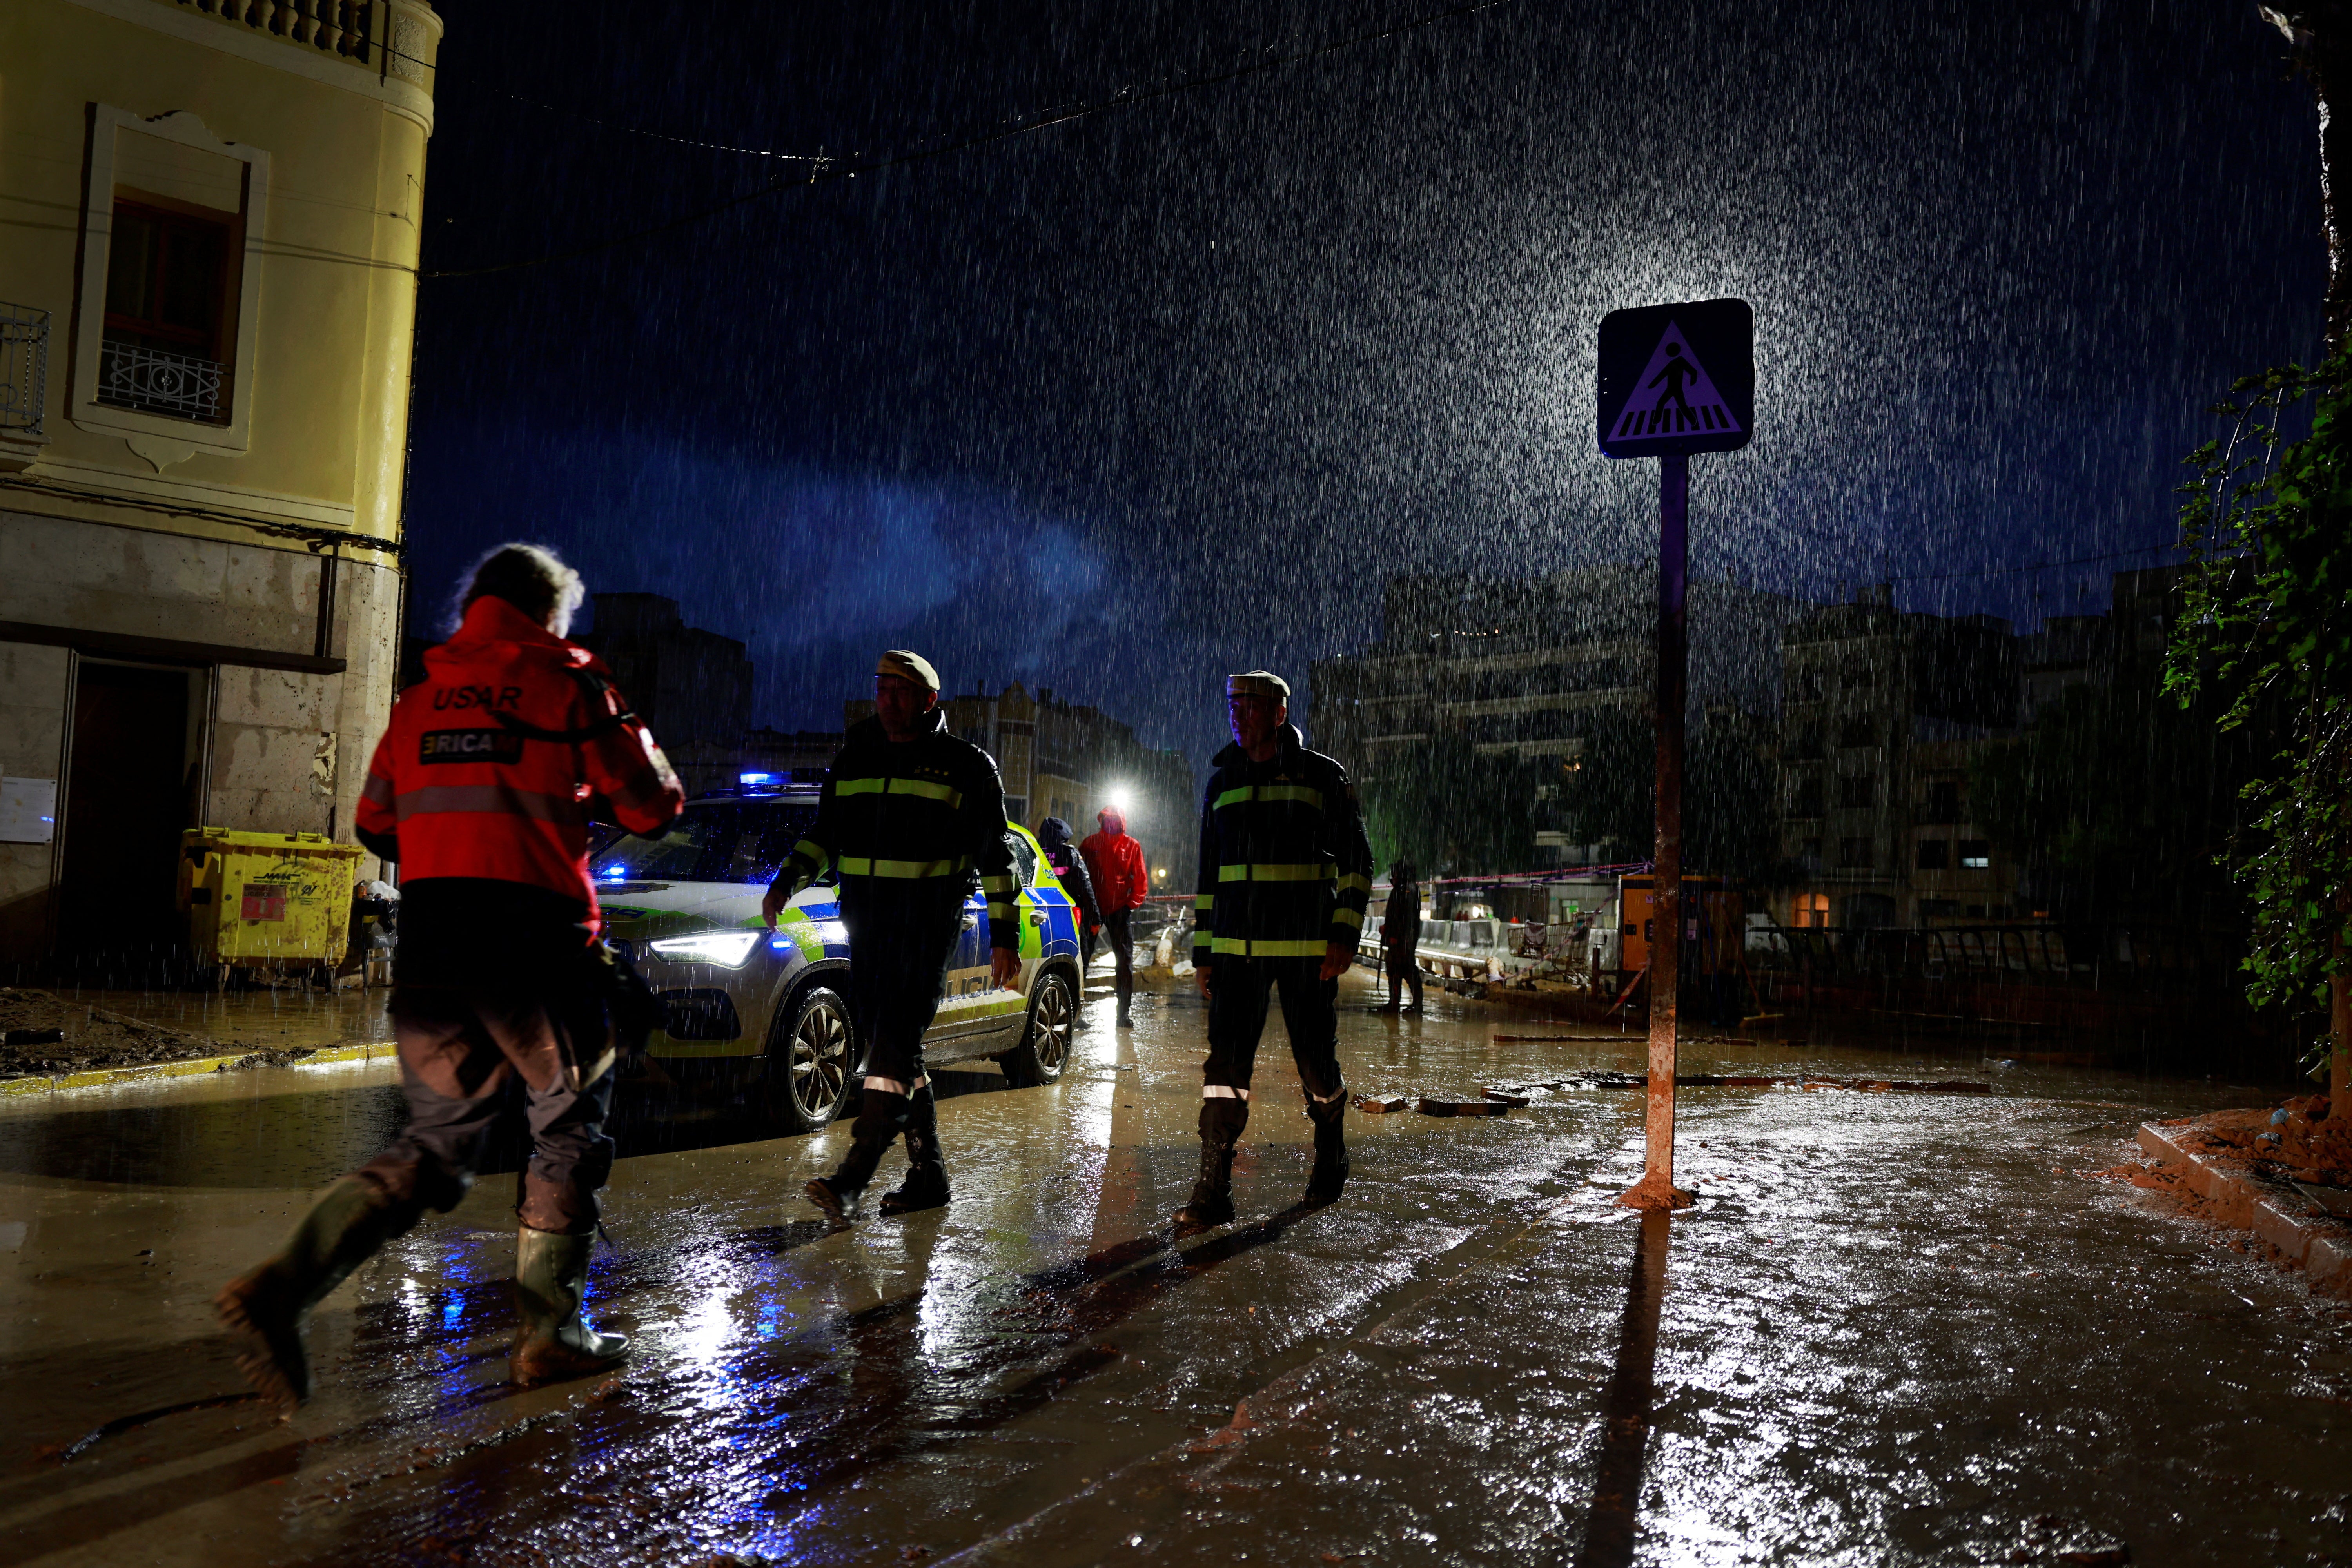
267	899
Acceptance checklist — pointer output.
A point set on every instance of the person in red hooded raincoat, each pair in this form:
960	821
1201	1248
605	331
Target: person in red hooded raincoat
482	789
1115	863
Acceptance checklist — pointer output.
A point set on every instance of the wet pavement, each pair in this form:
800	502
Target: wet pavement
1897	1328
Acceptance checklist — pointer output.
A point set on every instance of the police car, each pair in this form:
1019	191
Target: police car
767	1013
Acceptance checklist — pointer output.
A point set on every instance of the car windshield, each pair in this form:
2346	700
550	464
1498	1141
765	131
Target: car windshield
711	841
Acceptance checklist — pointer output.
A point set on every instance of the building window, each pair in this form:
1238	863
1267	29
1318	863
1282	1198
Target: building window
166	308
1976	855
1944	801
1938	909
1810	909
1016	808
1857	790
1934	854
164	335
1857	731
1804	797
1854	855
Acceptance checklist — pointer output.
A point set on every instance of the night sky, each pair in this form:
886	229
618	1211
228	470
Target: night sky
1121	403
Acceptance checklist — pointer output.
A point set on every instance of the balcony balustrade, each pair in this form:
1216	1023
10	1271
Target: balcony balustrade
156	380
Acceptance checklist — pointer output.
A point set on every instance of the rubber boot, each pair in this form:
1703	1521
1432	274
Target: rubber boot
881	1117
1211	1203
555	1342
265	1307
1330	1171
926	1186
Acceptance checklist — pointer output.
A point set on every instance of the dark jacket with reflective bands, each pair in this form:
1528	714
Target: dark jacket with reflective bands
929	810
1284	866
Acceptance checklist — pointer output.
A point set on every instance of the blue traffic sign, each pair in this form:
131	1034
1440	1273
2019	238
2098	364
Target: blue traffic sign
1677	378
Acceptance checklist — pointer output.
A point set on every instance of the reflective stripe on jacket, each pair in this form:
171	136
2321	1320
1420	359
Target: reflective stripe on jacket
927	810
1286	869
453	791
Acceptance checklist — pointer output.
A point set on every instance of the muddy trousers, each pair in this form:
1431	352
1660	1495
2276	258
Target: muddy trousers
900	939
457	1049
1238	994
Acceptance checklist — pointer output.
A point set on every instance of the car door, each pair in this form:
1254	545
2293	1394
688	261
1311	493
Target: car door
976	1017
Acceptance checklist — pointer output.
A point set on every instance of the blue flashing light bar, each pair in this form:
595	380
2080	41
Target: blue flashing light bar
755	778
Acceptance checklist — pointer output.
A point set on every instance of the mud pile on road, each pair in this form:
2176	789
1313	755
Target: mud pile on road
42	1034
2296	1140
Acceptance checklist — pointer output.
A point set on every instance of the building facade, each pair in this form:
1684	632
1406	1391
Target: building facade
1881	711
1520	667
206	300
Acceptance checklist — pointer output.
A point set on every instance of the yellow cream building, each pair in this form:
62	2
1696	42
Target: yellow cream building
209	214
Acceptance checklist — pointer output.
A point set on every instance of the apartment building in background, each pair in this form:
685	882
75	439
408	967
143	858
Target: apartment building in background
1520	667
1880	711
205	308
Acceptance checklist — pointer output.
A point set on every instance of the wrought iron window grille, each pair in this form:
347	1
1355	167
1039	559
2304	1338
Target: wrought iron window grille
157	381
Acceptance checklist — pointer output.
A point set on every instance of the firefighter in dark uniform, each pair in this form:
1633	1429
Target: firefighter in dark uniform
908	813
1286	872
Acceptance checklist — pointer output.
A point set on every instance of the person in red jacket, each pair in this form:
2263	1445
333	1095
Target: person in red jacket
482	789
1115	862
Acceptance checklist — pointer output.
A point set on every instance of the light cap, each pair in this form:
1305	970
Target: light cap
909	666
1258	683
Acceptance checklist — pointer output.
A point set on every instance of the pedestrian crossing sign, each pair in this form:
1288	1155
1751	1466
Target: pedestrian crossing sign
1677	378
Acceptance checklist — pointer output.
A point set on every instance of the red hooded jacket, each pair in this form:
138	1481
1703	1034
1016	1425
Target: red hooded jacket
466	796
1115	861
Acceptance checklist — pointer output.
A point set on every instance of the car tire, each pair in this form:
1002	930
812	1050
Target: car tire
1045	1047
811	1049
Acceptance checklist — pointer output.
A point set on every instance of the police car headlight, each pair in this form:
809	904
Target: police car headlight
726	948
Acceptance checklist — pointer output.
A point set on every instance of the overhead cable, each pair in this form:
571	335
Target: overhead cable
829	170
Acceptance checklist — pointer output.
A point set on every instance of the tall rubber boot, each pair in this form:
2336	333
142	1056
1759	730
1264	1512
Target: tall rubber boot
265	1307
926	1186
881	1117
554	1342
1211	1203
1330	1171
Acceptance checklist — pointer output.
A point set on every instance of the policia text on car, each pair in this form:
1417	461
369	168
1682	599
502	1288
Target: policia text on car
1286	872
908	815
482	789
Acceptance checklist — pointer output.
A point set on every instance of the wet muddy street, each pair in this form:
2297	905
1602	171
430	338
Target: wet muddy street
1897	1328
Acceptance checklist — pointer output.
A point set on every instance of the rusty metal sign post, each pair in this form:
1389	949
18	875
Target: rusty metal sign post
1675	380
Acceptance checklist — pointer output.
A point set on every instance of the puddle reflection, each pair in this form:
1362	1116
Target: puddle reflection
1625	1406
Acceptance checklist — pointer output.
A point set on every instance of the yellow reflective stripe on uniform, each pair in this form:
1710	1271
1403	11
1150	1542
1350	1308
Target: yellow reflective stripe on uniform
1243	948
888	783
859	866
1314	873
928	789
1205	900
1355	881
1000	883
1305	794
1349	918
1232	797
809	849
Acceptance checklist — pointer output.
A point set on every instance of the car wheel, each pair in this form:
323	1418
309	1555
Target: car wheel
1045	1047
810	1047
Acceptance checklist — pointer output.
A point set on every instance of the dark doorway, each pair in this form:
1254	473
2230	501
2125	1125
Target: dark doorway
126	804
